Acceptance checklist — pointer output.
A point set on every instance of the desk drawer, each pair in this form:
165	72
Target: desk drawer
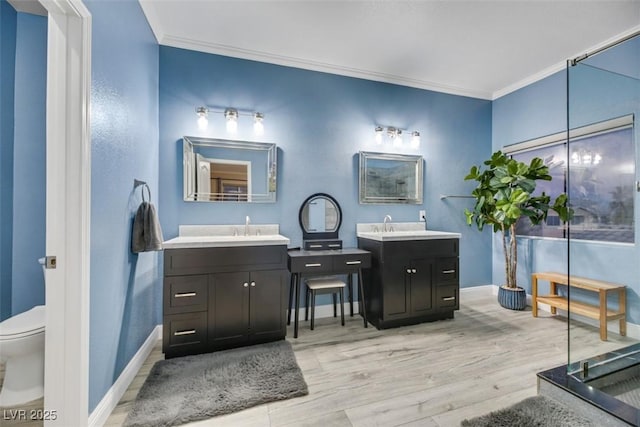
351	262
311	264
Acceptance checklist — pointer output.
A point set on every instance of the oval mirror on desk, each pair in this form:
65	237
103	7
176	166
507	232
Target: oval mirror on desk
320	219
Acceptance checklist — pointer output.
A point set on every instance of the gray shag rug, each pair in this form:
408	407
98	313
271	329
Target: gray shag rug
537	411
192	388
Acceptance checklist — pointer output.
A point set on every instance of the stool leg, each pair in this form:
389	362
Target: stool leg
313	308
342	305
335	313
306	306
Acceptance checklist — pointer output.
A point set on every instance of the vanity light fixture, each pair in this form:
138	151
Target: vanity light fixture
394	136
231	116
585	158
203	121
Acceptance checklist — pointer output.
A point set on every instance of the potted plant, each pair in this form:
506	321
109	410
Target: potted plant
503	197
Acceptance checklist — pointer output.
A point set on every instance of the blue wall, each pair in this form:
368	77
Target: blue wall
8	20
125	288
23	128
29	162
541	109
320	122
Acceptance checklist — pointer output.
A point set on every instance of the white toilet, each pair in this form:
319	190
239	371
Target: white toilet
22	349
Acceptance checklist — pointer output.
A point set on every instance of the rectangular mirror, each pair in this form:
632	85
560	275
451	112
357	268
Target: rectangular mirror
390	178
220	170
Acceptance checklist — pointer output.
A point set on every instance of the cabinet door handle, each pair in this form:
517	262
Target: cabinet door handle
353	262
184	295
413	271
448	298
409	270
187	332
448	271
245	284
313	265
253	284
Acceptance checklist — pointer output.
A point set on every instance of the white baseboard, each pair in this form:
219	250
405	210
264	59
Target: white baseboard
633	330
101	413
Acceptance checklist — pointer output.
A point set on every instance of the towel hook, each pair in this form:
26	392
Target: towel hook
137	183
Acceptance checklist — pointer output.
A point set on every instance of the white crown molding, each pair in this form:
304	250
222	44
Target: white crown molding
559	66
149	11
225	50
28	6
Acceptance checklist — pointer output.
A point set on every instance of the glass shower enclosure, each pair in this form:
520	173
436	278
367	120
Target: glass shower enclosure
603	134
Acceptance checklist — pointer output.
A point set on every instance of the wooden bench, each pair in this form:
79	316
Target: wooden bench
600	312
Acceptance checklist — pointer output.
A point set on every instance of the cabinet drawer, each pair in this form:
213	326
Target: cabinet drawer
446	271
184	333
219	260
351	262
311	264
184	294
447	297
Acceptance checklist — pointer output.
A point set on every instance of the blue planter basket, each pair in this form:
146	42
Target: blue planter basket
512	298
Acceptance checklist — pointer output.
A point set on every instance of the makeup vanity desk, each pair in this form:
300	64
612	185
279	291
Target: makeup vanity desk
327	262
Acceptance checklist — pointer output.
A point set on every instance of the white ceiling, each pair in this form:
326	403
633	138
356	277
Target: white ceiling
479	48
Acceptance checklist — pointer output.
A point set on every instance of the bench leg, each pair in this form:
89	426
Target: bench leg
603	315
622	308
534	295
553	290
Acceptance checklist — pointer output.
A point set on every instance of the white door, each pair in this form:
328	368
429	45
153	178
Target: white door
68	212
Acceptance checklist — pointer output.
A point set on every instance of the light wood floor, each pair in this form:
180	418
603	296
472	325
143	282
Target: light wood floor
429	375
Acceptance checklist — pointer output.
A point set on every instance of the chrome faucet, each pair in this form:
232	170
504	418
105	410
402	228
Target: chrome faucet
384	222
247	221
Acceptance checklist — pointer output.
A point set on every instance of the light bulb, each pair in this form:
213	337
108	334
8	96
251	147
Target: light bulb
378	135
258	125
397	140
203	121
231	115
415	139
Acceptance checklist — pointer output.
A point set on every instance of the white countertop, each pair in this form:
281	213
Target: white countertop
401	231
211	236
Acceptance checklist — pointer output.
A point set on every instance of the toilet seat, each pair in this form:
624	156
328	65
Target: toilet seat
22	325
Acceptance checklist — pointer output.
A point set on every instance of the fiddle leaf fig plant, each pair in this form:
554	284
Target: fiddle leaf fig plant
504	195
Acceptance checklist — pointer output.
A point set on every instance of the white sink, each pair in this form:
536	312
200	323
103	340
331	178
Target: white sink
206	236
401	231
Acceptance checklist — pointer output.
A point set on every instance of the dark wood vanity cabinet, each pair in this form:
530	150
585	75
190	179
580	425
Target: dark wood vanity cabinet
219	298
411	281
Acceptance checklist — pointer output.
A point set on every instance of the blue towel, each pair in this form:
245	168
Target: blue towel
146	234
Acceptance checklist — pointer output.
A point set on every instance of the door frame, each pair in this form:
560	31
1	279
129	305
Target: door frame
68	216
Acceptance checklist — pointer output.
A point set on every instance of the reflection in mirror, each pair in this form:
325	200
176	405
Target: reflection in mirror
218	170
390	178
320	217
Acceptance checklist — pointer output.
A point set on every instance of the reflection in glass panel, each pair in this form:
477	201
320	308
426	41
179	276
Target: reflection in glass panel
390	178
601	186
218	170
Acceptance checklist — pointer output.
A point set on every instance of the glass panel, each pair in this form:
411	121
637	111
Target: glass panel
602	190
